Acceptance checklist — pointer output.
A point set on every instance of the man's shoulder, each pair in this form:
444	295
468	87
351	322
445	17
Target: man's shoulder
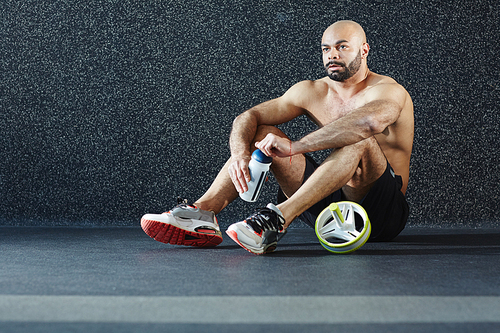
385	85
375	79
307	89
312	84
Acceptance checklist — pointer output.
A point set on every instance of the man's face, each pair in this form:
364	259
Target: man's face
343	47
338	71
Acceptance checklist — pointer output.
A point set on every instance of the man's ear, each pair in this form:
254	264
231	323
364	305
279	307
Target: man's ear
365	49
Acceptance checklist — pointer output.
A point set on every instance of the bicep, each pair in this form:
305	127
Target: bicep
282	109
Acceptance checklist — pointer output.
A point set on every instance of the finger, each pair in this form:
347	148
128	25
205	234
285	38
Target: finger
234	177
241	181
246	175
261	145
267	148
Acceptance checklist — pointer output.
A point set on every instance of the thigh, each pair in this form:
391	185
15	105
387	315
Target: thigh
372	165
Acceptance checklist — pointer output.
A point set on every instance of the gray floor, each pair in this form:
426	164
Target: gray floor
120	280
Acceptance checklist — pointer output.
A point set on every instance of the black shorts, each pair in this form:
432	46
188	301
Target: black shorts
385	204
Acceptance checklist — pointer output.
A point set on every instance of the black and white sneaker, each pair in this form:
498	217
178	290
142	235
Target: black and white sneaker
260	232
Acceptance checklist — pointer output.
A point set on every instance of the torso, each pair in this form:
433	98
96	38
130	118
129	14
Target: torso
396	141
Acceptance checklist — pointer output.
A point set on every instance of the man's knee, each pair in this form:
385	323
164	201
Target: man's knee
367	147
363	157
373	152
264	130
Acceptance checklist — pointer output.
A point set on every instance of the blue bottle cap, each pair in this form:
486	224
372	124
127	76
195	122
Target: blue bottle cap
259	156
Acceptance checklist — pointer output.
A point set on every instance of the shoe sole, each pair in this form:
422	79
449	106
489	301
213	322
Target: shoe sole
234	236
170	234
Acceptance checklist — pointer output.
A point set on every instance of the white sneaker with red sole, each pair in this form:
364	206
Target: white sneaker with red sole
183	225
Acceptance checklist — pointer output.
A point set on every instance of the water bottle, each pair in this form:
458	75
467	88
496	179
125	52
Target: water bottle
259	168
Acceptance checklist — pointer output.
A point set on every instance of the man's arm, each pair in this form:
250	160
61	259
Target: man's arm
362	123
370	119
273	112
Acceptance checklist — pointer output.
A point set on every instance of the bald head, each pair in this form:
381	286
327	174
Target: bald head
347	30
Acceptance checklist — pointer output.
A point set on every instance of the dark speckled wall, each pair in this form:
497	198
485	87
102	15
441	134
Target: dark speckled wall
111	109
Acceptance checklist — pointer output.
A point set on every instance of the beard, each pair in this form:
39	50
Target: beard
347	71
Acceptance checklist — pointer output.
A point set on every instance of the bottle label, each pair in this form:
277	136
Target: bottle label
258	187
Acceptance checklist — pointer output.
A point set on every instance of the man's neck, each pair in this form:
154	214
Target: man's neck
350	87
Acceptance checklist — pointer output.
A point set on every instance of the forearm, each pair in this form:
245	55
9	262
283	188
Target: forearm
317	141
354	127
242	134
337	134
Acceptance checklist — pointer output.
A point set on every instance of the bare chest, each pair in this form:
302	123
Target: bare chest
331	108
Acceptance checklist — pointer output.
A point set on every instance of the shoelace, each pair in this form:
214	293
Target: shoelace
183	203
265	219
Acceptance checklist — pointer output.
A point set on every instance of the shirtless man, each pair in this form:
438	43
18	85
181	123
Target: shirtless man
366	118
